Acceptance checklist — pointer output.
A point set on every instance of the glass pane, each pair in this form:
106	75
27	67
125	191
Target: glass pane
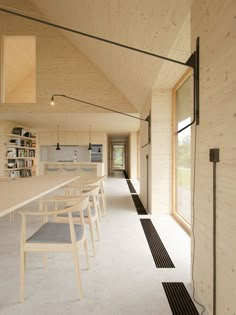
118	156
184	172
183	150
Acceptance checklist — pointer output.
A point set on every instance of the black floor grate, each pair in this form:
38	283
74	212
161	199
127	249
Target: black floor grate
179	299
138	204
131	187
126	175
158	250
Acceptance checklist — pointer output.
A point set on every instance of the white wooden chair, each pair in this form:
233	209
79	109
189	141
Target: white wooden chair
95	181
90	214
102	195
56	237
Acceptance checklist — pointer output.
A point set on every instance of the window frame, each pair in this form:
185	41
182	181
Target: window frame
177	217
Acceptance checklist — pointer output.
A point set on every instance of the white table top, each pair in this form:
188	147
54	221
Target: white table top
17	193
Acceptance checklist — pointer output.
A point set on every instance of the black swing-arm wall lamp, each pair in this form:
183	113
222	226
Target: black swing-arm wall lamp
147	119
192	62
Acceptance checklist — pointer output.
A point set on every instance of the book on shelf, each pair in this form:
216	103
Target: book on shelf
25	173
11	152
14	174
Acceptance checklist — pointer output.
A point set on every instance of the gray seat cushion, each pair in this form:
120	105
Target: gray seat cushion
77	214
93	212
55	233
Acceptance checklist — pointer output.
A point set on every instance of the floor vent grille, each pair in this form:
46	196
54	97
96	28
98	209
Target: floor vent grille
126	175
138	204
179	299
131	187
158	250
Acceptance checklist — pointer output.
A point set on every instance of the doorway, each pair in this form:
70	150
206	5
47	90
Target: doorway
118	152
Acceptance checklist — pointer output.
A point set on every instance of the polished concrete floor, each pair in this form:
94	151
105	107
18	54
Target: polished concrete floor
123	278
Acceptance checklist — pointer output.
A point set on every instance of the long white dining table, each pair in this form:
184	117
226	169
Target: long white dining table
17	193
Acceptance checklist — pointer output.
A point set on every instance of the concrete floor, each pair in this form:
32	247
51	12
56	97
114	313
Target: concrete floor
122	279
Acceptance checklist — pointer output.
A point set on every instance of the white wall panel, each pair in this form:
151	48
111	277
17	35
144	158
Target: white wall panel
214	22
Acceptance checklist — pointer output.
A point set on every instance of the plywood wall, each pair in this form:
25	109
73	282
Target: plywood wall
133	149
215	23
161	151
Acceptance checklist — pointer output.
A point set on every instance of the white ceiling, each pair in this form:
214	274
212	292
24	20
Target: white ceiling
151	25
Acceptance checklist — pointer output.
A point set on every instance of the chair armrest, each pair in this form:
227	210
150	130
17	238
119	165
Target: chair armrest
84	190
78	206
57	198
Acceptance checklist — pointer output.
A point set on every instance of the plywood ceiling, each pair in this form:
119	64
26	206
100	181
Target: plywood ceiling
153	25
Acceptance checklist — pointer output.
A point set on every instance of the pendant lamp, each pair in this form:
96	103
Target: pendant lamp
90	145
58	145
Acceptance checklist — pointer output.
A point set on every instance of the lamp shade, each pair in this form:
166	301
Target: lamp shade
58	146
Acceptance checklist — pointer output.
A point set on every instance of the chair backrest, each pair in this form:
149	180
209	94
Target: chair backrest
66	205
91	191
77	205
73	205
97	181
88	181
78	190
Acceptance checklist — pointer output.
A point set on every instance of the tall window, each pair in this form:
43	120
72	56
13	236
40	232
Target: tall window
18	69
182	165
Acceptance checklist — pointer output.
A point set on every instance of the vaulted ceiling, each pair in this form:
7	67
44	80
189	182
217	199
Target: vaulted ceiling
158	26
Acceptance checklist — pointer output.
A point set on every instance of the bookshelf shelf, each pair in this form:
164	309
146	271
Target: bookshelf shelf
20	158
17	168
20	155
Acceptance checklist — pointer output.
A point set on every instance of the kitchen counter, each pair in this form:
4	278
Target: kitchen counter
77	168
